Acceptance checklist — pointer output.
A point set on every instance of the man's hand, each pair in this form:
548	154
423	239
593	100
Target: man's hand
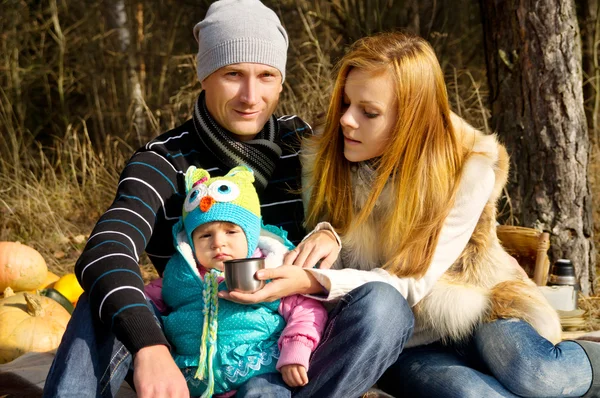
286	280
294	375
155	374
321	245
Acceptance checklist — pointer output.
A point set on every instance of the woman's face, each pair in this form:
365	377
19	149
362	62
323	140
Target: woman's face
369	114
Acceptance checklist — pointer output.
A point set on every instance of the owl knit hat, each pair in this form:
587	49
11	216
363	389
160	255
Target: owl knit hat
231	198
236	31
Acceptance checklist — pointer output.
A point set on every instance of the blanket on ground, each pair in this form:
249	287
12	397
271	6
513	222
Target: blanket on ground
25	377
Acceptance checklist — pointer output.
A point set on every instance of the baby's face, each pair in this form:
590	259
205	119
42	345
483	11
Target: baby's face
218	241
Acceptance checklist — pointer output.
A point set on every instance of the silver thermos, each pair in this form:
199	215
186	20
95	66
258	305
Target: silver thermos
563	274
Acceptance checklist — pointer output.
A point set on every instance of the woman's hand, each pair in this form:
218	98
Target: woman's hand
286	280
321	245
294	375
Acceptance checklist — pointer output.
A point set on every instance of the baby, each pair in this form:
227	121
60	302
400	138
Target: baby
219	344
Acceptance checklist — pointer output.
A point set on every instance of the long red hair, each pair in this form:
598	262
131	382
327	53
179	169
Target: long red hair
422	161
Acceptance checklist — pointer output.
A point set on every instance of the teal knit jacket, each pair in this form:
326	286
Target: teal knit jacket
246	336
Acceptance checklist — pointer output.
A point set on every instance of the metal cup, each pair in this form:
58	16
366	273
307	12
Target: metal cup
239	274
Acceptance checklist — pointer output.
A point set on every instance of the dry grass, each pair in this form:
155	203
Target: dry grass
591	306
69	115
52	196
69	118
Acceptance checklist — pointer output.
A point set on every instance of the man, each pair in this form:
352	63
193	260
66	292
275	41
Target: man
241	65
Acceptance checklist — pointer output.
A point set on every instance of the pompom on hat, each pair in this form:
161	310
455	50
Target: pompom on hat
236	31
231	198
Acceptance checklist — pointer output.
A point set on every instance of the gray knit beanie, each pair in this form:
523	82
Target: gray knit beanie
235	31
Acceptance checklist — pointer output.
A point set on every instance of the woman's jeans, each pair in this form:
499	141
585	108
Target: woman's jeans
505	358
365	334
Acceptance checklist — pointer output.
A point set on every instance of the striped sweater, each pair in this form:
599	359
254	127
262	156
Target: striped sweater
148	203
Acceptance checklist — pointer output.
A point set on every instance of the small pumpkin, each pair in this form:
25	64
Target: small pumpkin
69	286
30	323
21	267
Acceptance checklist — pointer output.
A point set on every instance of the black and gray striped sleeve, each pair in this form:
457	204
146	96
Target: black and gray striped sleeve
108	269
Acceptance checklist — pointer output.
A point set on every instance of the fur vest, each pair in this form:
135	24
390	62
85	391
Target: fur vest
481	285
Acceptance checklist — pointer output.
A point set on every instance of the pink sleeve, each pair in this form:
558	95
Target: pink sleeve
305	320
153	291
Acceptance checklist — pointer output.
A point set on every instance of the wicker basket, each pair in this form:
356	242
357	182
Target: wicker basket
529	247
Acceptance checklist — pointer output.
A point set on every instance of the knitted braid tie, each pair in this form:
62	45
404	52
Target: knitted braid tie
209	332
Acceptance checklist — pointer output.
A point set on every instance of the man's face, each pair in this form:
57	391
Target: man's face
242	97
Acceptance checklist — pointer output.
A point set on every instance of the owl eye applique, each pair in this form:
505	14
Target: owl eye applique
193	198
224	191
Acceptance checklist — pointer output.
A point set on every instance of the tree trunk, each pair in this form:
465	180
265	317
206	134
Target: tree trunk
117	19
533	57
588	20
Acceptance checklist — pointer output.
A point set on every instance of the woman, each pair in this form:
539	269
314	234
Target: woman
412	189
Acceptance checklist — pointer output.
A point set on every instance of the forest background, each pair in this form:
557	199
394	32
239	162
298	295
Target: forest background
84	83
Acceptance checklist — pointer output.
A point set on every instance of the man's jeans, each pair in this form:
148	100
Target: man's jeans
90	361
505	358
365	334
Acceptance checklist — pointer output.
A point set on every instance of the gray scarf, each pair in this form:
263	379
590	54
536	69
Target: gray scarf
260	154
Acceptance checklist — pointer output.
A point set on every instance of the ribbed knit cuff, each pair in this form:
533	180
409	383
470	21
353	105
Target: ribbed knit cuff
293	352
330	292
139	330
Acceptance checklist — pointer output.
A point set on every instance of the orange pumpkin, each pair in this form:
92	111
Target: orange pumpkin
21	267
29	323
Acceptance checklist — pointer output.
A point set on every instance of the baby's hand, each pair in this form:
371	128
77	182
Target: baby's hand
294	375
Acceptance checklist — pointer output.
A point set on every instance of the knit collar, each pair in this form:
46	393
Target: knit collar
260	154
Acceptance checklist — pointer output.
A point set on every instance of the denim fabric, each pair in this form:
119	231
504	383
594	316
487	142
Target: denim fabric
505	358
531	366
90	361
269	385
364	335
